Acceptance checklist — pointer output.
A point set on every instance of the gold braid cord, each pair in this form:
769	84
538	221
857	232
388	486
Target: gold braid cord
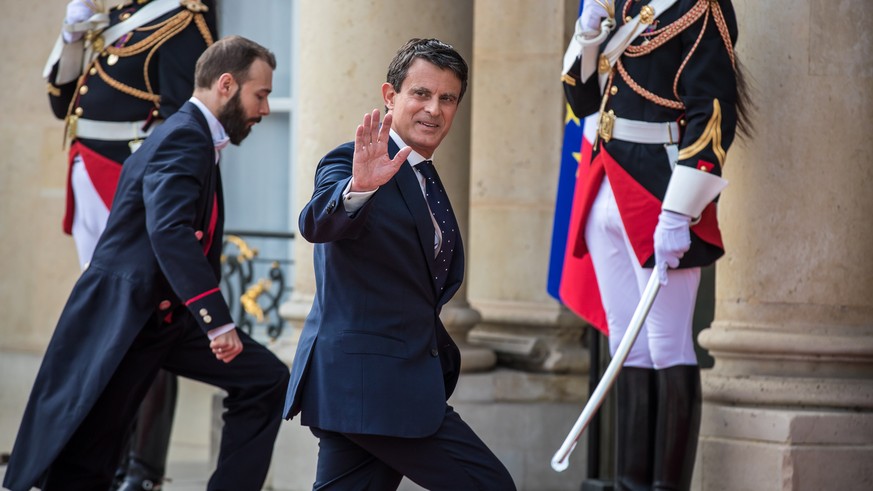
163	32
127	89
648	95
723	30
159	42
204	29
661	36
690	53
657	38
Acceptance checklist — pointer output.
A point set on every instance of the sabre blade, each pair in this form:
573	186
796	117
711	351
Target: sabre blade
560	459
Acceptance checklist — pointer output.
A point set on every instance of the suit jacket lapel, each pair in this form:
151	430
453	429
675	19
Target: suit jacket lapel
212	193
410	189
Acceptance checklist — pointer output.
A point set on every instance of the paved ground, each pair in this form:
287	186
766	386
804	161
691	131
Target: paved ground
189	449
184	475
187	476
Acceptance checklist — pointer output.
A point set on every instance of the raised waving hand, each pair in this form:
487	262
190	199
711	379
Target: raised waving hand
371	165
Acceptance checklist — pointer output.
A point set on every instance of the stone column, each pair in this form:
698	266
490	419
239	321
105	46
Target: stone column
523	412
789	402
518	118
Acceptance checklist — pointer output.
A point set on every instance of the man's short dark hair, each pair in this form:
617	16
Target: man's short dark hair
433	50
233	55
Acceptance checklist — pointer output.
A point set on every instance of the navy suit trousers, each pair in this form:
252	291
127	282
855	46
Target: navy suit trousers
453	459
255	382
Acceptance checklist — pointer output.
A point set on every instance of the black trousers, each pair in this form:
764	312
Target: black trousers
453	459
255	382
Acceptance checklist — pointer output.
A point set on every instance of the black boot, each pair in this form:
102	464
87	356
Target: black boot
678	427
141	477
150	442
635	428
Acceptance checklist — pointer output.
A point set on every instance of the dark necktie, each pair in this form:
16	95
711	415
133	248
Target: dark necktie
438	202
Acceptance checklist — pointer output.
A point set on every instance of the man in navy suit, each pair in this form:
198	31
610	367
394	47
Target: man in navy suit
150	299
374	365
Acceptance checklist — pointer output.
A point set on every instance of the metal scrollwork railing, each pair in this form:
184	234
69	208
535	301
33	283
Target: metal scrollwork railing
255	286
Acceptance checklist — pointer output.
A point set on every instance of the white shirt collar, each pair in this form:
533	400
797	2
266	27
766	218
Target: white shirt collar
219	136
414	158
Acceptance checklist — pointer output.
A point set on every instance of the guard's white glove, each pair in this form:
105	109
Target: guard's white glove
587	27
672	241
592	14
77	11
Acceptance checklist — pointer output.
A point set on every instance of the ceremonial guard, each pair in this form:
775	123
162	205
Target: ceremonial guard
664	77
117	71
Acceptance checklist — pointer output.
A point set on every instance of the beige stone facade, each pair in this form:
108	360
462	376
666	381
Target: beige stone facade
790	399
789	402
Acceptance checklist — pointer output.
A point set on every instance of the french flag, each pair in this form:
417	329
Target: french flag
571	279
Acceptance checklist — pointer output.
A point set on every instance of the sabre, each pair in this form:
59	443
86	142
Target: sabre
560	459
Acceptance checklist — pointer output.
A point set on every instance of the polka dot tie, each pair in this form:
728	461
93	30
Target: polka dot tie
441	210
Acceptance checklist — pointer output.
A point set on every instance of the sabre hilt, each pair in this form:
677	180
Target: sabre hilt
606	26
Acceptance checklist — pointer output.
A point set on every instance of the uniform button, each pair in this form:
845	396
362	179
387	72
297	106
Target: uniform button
603	65
613	90
434	352
207	319
79	111
164	305
155	113
92	71
203	312
124	16
83	90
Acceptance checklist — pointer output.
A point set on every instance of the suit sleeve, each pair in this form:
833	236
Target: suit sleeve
324	218
173	192
708	88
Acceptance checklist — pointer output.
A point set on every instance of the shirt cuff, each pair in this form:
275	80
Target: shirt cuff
218	331
354	200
